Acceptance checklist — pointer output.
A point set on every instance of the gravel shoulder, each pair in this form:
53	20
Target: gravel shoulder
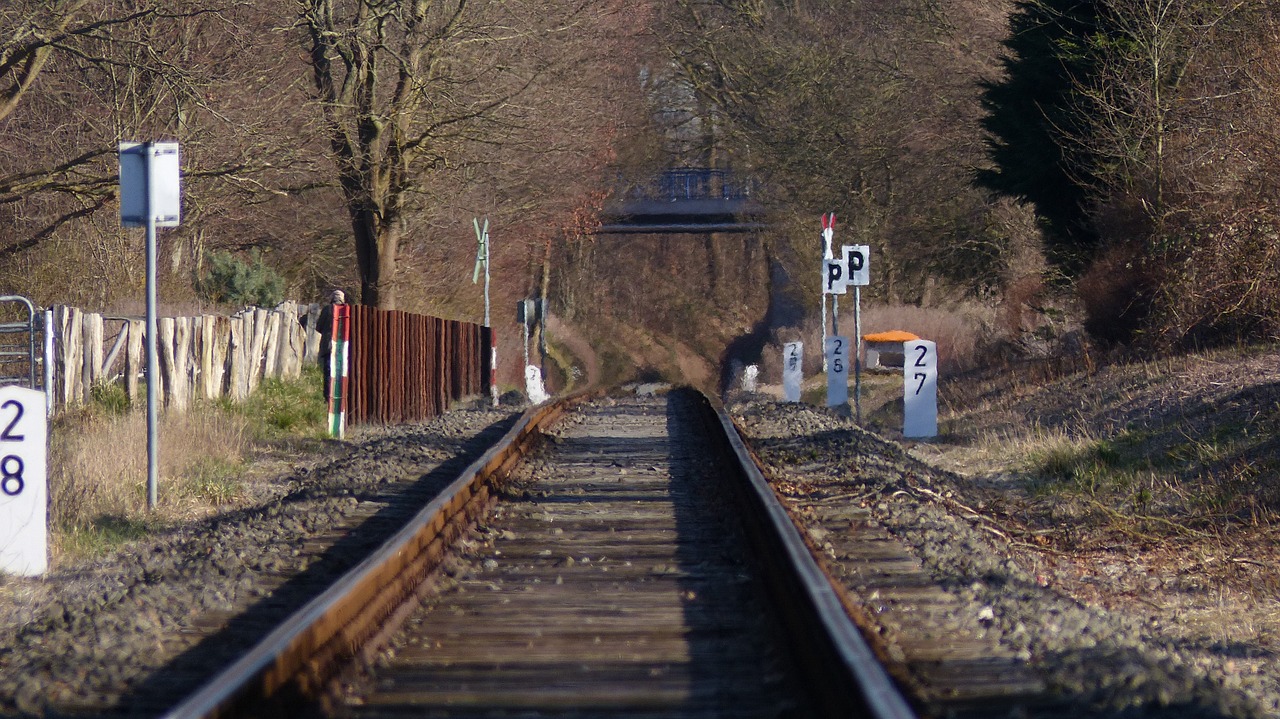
1166	609
1160	609
131	634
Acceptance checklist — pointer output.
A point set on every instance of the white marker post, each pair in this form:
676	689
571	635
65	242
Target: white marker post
151	197
24	493
919	389
837	353
792	370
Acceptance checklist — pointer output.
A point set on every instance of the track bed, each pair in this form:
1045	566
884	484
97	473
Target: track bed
615	582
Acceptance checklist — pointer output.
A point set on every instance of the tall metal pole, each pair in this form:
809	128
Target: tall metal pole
153	363
487	250
824	329
857	352
493	350
828	252
48	362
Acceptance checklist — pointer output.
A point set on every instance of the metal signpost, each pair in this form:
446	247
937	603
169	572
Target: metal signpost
482	258
851	269
857	261
151	197
828	231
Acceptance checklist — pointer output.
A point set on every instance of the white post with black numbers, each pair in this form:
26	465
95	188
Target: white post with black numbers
837	353
24	493
919	389
792	370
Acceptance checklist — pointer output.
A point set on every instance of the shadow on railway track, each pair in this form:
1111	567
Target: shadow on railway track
240	632
746	669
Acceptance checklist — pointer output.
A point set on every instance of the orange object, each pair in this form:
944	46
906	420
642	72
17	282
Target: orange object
890	336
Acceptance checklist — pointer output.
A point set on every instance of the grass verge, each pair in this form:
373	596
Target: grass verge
98	461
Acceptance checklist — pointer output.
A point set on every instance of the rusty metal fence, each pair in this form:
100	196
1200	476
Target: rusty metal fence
406	367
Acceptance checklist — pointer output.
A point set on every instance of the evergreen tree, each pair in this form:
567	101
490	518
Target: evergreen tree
1035	114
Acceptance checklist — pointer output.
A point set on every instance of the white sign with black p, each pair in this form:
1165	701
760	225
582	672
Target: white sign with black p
23	489
920	389
834	278
857	262
837	354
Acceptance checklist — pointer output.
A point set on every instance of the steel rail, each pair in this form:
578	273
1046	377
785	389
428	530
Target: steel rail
299	657
837	654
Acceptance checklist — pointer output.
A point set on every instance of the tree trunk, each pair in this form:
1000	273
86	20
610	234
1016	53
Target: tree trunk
376	247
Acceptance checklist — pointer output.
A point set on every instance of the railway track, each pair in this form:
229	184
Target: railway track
631	567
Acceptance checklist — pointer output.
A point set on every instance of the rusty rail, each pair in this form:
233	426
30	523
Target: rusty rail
304	652
297	659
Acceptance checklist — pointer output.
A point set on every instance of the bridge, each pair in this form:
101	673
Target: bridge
688	200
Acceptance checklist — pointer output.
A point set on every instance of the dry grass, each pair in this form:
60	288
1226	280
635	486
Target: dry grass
98	470
98	462
961	331
1148	486
1181	447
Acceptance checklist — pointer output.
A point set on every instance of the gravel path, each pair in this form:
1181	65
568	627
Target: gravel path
133	634
1122	662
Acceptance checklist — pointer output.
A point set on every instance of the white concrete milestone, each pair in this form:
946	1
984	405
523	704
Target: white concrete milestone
792	370
919	389
24	493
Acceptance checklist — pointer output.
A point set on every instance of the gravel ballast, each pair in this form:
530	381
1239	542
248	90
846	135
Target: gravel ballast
134	633
1092	660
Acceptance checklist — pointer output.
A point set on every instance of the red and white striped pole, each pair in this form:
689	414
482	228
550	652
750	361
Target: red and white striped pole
338	370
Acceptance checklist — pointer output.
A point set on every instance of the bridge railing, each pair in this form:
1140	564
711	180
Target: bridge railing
694	183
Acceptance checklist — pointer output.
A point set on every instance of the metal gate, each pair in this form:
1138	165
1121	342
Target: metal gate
19	361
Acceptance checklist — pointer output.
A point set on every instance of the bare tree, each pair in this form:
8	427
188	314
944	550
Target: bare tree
212	75
1181	116
857	108
406	88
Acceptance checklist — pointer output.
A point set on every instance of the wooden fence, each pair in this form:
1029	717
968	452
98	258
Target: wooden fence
205	357
407	367
403	366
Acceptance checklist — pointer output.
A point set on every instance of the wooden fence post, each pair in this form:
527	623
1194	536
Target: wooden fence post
219	356
271	346
181	384
311	351
164	347
73	349
134	361
237	359
255	328
92	357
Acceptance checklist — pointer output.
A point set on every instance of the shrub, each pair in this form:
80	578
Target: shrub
110	397
236	282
